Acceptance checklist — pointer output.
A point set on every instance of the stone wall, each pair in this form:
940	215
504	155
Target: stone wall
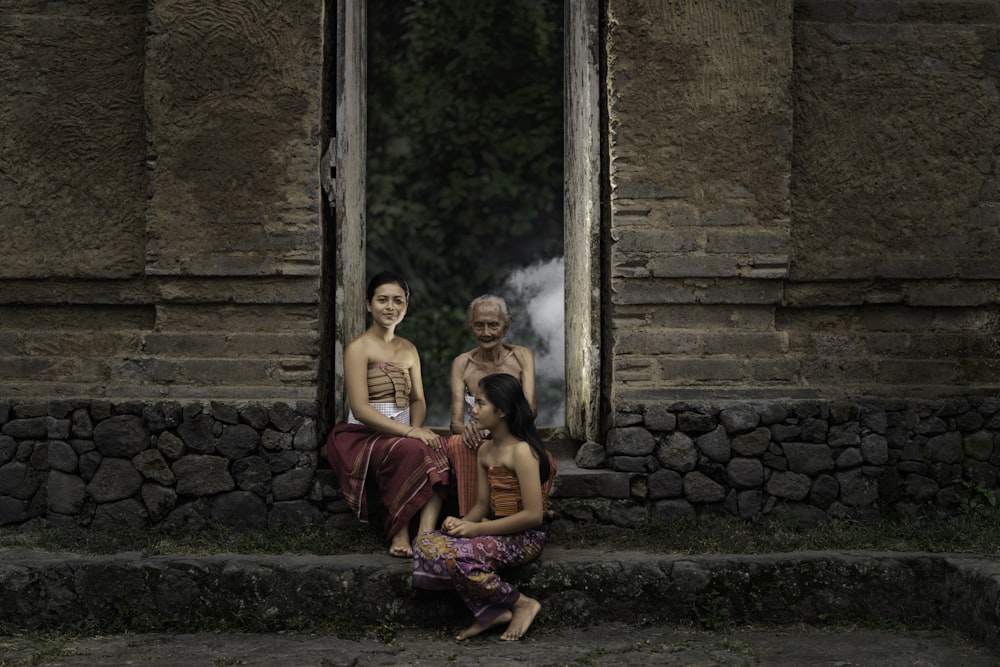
806	461
804	200
140	464
72	149
799	212
112	465
159	200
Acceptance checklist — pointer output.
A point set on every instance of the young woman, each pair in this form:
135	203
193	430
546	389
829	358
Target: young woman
489	320
504	527
384	442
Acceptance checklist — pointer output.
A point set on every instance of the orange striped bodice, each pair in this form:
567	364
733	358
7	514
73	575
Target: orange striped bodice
505	490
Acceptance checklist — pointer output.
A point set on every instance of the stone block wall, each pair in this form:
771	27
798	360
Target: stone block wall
895	161
893	278
803	200
140	464
72	149
160	205
806	461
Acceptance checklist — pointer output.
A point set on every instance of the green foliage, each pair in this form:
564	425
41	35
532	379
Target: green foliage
465	173
977	499
439	334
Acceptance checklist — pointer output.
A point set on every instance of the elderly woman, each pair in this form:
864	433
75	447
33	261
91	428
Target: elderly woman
489	320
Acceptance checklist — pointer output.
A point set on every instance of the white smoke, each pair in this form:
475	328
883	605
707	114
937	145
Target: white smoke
536	295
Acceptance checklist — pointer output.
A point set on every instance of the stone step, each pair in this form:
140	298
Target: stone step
580	587
573	481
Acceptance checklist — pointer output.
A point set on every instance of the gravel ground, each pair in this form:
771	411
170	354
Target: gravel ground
608	645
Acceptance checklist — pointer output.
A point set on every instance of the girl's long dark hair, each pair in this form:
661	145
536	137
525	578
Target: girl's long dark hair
504	391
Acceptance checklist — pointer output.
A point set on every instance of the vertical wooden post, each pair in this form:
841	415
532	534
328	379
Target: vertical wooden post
349	164
582	220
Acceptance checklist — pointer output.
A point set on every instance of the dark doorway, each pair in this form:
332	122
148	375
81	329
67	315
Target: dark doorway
343	171
465	175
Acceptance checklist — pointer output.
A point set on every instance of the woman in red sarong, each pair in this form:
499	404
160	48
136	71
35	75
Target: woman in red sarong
384	445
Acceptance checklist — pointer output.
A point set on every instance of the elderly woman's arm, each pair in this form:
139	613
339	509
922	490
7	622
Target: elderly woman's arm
526	358
458	393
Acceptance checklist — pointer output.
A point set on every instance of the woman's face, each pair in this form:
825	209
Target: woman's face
388	305
484	413
488	325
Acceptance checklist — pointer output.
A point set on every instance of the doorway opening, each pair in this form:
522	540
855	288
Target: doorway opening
348	158
464	176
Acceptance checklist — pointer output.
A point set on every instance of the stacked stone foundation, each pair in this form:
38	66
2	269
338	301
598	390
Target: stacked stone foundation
110	465
807	461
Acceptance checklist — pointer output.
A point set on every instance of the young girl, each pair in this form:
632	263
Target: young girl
504	527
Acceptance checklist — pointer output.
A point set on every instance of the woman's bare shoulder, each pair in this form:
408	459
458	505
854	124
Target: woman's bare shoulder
405	352
522	454
360	345
462	360
404	344
522	353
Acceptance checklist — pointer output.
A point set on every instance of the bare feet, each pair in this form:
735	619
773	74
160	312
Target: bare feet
398	551
478	628
400	547
522	615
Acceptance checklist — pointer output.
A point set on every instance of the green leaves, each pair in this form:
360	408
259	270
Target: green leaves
465	175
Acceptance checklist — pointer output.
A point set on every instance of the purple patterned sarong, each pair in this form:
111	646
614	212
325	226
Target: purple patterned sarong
469	565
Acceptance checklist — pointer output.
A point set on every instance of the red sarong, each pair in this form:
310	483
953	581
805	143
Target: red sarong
463	462
405	472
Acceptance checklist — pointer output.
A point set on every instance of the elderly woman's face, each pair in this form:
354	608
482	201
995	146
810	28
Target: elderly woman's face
488	325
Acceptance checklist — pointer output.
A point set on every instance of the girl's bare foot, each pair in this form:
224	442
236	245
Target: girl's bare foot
522	615
478	628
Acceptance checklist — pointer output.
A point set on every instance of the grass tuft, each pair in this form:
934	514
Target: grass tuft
977	533
974	533
209	539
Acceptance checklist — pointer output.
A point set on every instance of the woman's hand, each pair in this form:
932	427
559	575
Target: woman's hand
426	436
472	436
460	527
